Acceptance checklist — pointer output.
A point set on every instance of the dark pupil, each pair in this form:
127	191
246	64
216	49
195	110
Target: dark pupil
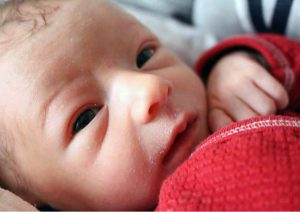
144	56
83	120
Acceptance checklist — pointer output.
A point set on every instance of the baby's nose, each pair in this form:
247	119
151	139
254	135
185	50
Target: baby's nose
150	96
143	94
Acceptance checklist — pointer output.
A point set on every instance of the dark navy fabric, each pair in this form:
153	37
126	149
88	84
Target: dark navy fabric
279	20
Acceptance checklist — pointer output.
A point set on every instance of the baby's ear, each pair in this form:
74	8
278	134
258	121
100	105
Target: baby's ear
11	202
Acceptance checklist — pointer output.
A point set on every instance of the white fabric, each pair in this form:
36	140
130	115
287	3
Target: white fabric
165	7
3	1
293	27
269	7
217	16
243	15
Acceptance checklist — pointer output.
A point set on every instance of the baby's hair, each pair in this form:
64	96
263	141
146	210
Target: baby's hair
9	170
9	10
7	160
34	12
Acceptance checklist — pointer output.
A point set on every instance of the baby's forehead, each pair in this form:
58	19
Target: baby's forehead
32	16
73	32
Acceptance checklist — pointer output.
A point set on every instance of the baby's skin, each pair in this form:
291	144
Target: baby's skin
95	104
239	87
100	112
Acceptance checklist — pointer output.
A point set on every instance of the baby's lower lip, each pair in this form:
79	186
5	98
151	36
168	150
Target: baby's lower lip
182	146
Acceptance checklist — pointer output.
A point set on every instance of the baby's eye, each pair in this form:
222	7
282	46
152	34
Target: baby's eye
144	56
84	119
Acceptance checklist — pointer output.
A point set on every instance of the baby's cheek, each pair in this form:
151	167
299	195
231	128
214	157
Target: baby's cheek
193	88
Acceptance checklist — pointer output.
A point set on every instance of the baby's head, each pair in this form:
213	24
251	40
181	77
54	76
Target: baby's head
95	112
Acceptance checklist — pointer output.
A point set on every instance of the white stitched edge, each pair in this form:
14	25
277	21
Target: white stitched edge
251	126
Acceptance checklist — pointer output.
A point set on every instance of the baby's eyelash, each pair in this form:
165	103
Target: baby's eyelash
84	118
144	55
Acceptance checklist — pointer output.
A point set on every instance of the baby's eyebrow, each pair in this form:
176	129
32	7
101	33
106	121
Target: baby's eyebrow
62	99
44	111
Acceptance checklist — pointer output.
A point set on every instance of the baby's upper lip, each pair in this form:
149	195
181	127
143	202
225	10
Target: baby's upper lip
180	125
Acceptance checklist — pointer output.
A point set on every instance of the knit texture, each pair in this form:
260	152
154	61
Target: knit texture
252	165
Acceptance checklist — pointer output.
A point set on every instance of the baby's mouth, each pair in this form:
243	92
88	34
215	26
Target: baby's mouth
181	143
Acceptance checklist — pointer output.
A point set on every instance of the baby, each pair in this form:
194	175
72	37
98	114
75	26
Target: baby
96	113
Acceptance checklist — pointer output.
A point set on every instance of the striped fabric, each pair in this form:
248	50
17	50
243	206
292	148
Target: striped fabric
230	17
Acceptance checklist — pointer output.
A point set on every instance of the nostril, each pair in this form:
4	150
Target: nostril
163	96
169	90
153	108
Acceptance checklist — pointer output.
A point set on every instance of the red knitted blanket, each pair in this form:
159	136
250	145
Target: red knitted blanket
252	165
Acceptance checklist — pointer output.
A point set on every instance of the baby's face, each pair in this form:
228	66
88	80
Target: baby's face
102	113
